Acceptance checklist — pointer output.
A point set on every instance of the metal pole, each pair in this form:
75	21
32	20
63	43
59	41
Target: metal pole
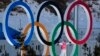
76	19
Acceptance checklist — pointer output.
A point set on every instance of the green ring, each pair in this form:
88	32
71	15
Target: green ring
75	52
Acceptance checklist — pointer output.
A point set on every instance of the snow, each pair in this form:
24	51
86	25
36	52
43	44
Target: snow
50	21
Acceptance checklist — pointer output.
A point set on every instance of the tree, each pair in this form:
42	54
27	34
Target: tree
96	51
26	50
87	50
60	3
85	47
98	38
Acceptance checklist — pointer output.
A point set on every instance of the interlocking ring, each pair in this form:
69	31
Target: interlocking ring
54	34
89	17
25	31
57	9
8	37
40	28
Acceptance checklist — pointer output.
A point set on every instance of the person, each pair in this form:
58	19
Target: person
64	47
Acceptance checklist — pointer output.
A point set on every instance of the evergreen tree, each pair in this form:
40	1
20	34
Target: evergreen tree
97	46
61	3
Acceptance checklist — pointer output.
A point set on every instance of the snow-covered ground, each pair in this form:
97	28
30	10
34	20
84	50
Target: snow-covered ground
50	21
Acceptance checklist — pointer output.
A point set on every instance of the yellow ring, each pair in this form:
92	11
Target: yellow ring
44	29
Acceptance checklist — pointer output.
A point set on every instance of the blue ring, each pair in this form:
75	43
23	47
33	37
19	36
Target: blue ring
10	7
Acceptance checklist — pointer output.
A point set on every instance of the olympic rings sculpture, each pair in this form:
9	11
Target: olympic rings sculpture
39	27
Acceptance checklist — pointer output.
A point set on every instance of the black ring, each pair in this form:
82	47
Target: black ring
62	21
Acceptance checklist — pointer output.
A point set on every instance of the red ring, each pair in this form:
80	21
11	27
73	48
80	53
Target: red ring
68	18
